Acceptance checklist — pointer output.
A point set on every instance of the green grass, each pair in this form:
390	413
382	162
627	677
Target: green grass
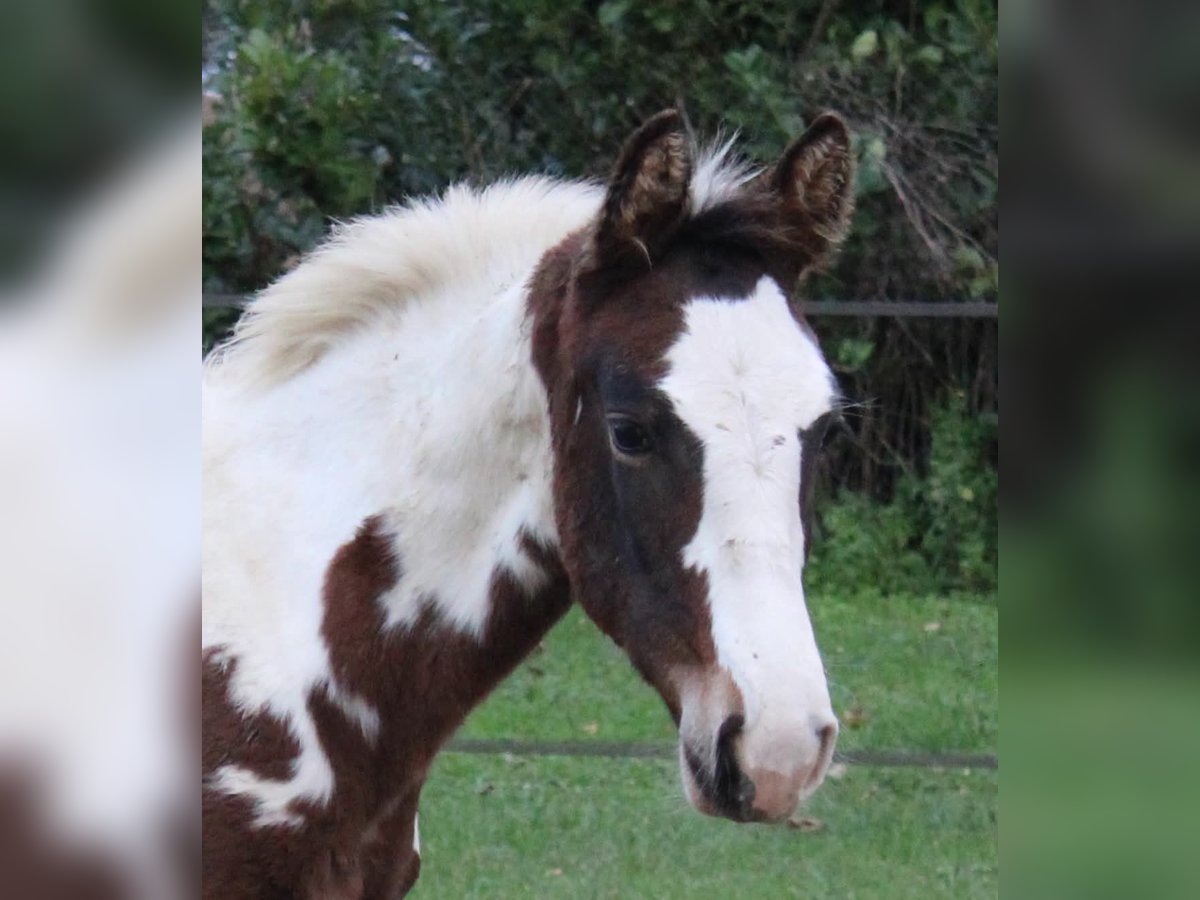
556	827
503	826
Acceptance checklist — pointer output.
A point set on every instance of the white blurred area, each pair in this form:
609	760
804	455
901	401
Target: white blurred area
99	542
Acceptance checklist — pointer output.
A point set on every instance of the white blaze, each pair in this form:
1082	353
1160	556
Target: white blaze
746	379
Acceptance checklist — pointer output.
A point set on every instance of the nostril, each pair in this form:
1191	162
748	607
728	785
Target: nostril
826	738
729	785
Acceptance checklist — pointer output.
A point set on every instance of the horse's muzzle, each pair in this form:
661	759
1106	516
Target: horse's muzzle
719	782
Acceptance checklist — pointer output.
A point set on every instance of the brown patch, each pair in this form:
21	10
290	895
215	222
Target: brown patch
812	442
388	857
259	743
623	527
241	861
422	680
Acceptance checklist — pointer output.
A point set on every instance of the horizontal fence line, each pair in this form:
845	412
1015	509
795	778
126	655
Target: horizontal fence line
633	750
886	309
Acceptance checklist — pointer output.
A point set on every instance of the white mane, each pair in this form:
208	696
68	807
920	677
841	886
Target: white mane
468	237
465	237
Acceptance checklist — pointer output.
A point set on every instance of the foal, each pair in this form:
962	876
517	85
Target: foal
454	419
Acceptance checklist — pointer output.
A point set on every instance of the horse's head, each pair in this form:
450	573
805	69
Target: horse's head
687	399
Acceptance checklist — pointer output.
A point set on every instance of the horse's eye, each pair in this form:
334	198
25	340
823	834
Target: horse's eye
628	436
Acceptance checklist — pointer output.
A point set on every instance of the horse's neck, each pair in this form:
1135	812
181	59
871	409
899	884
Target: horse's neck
431	433
436	420
472	479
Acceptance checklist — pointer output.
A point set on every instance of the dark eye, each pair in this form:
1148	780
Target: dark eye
628	436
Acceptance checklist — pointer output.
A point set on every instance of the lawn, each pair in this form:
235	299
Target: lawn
907	673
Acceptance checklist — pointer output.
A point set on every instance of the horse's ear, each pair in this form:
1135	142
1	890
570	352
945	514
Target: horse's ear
815	181
647	195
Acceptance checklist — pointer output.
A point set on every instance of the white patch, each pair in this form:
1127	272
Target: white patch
363	395
745	378
417	833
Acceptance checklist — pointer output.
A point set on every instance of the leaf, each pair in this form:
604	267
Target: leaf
611	13
851	354
967	258
980	285
865	45
930	55
855	717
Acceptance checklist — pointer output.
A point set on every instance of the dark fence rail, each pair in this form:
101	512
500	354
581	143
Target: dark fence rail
642	750
887	309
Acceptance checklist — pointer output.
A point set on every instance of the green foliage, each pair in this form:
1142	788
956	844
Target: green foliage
864	542
939	531
954	506
329	108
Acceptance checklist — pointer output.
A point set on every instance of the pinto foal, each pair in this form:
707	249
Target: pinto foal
456	418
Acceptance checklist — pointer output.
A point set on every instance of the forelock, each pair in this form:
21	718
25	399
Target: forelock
731	204
720	175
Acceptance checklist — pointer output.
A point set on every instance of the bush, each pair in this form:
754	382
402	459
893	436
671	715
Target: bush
330	108
939	532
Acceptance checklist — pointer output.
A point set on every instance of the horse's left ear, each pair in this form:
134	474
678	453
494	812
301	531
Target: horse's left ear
647	195
815	181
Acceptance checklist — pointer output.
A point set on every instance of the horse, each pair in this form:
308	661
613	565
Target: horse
458	417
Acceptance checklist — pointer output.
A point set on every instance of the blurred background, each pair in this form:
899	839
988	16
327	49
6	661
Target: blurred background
564	784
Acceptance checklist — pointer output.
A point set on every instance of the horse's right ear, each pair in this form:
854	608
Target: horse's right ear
647	196
815	184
